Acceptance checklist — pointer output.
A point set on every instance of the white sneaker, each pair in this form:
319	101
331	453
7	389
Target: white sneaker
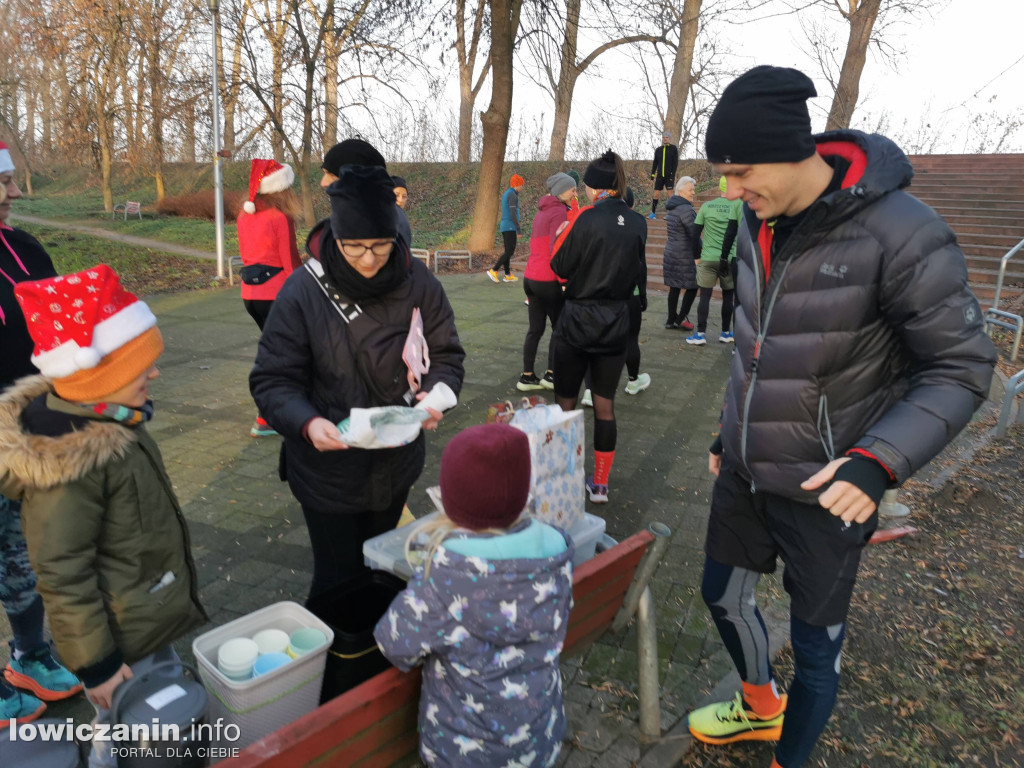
639	384
587	401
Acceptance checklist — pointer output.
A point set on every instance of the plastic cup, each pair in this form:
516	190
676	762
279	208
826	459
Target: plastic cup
235	658
271	641
268	662
305	640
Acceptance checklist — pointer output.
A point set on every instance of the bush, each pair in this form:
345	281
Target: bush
201	205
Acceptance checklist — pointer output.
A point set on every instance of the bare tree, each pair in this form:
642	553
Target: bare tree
467	52
504	26
558	51
868	22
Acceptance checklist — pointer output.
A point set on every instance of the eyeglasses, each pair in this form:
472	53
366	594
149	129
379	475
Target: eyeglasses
356	250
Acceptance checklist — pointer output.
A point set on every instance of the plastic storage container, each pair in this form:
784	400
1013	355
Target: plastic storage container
263	704
387	551
352	609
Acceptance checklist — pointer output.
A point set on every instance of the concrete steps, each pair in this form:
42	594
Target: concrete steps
981	197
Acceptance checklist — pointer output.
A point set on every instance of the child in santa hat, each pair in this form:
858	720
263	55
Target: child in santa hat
266	240
105	533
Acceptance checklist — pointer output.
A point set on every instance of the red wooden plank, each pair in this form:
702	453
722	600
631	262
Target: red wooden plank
598	600
624	549
597	621
322	729
383	710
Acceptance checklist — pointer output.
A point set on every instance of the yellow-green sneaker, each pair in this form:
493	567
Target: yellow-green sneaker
727	721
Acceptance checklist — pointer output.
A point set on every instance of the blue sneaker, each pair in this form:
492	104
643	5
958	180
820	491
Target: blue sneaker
41	674
598	493
651	215
18	704
727	338
697	338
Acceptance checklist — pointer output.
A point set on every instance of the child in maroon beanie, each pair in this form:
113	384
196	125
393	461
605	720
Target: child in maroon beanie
487	614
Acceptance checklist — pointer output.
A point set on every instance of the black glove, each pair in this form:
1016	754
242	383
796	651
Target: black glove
643	302
723	268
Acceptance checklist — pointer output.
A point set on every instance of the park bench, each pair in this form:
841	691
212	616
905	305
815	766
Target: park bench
421	253
131	208
374	725
454	255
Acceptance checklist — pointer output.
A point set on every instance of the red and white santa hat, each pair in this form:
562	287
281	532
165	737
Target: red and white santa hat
6	162
91	336
265	178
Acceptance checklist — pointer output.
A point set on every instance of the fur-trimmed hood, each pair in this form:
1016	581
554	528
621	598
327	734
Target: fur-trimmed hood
30	461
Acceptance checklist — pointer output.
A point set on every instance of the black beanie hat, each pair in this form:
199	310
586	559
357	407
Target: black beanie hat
351	152
762	117
474	496
399	182
363	204
600	174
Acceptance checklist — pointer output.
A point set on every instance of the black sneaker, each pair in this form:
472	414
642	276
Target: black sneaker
548	381
528	382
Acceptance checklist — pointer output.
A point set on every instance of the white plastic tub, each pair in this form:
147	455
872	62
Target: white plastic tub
387	551
263	704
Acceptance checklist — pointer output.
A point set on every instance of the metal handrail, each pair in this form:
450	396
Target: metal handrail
1002	271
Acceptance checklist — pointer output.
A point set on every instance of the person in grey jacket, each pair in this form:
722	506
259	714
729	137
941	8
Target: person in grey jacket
860	353
487	615
682	249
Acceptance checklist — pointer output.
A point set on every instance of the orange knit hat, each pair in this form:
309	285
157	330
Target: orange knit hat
91	336
516	180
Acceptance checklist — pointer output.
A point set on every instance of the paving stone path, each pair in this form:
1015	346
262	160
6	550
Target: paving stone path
250	543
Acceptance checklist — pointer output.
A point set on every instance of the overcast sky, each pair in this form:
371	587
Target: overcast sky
965	60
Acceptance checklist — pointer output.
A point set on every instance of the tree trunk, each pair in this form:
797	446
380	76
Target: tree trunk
466	51
106	162
330	80
679	85
466	101
156	95
504	23
861	18
277	84
188	132
568	72
47	113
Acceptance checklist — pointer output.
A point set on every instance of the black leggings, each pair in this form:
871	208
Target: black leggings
633	345
673	301
546	302
704	307
505	262
258	310
337	540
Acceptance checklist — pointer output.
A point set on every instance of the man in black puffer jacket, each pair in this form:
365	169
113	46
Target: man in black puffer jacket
860	354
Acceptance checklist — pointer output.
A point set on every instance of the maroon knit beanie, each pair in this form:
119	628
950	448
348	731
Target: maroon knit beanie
485	476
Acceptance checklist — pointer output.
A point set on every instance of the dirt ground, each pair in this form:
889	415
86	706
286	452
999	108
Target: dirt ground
932	668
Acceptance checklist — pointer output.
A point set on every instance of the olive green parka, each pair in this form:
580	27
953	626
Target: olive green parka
106	536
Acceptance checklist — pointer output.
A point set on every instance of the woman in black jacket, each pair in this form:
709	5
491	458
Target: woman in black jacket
334	342
602	259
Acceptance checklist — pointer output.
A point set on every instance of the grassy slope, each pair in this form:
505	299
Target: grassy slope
442	196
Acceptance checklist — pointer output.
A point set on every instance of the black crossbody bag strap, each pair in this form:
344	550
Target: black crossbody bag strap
348	310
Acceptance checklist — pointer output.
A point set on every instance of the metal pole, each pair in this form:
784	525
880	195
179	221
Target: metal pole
662	534
218	185
890	507
647	666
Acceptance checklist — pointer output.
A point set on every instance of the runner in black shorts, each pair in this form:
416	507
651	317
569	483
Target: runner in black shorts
848	377
663	169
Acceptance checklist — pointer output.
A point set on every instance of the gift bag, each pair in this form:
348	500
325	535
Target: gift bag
556	462
502	413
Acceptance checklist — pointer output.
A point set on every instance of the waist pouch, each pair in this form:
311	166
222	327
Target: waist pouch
596	327
258	274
